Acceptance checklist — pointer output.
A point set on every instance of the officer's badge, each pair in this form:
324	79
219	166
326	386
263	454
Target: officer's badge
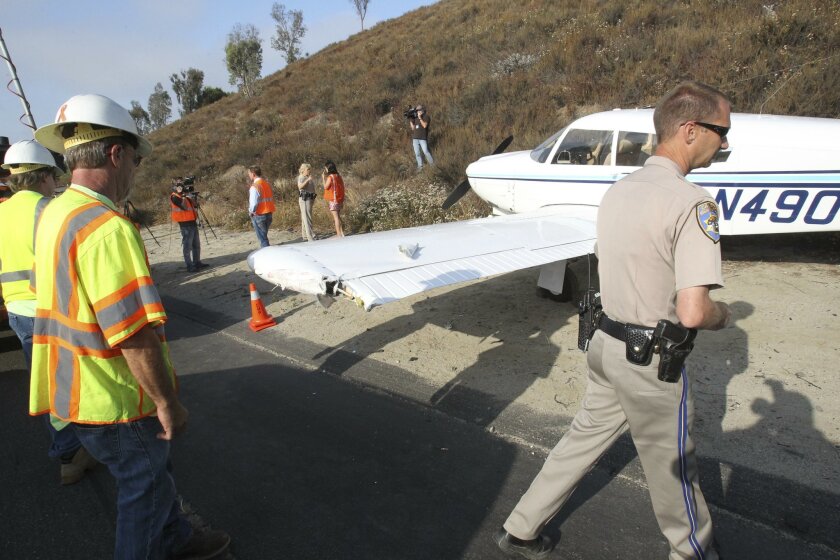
707	218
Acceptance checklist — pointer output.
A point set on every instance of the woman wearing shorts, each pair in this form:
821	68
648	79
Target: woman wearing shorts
334	194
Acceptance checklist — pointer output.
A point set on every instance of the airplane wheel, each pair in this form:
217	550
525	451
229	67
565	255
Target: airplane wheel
569	293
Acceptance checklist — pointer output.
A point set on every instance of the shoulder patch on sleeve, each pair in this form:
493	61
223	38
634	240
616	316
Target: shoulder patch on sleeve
707	219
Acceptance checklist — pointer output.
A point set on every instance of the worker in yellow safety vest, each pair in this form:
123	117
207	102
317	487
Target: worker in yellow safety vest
184	209
34	175
99	358
260	204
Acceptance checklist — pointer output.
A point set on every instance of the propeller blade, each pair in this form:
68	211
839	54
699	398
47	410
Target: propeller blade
456	194
464	187
503	146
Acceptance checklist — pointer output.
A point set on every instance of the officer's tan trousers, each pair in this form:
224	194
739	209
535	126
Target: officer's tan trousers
620	395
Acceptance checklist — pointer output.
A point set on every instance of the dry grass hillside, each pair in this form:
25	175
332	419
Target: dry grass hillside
484	69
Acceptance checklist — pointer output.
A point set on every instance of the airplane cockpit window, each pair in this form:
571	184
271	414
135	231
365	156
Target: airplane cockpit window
540	153
633	148
584	147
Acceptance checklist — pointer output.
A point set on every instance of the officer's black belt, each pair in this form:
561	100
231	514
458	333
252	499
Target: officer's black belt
618	330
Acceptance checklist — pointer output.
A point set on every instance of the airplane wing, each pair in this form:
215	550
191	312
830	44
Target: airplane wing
377	268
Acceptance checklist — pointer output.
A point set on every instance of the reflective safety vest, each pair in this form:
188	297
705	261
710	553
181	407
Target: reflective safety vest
93	291
265	202
178	215
18	217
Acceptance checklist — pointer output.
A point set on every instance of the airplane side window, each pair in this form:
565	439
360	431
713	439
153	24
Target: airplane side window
634	148
583	147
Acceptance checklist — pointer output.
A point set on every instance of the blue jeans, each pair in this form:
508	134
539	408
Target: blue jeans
64	442
424	145
261	225
190	243
149	520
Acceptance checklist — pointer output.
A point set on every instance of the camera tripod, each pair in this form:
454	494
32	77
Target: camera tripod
202	221
130	212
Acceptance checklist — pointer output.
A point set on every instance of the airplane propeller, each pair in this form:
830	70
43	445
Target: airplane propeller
462	189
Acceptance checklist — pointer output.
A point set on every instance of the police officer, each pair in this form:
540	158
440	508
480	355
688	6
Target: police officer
100	358
658	259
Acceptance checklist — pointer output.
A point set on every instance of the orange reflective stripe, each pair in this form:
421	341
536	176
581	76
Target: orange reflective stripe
65	255
126	290
139	315
78	350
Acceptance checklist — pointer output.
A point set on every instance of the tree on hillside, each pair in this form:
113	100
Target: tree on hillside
243	55
141	118
210	95
187	88
290	30
160	107
361	9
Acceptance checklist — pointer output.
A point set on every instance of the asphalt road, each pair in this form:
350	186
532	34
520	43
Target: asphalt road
302	465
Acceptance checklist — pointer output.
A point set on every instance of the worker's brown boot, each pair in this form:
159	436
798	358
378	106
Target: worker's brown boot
73	470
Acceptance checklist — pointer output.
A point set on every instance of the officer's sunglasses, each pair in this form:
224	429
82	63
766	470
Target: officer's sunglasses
721	131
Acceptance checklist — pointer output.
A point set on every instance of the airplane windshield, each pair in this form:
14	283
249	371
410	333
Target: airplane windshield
541	152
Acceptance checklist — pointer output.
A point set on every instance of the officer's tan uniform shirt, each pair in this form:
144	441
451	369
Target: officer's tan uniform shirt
659	247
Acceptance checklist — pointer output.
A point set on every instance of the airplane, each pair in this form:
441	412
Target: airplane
780	174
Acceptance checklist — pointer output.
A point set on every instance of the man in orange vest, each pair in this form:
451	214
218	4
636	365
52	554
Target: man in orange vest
260	204
183	209
100	359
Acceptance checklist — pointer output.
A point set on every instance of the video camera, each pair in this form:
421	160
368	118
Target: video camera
410	113
186	183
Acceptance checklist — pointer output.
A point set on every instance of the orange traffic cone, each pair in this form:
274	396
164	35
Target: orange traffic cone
260	319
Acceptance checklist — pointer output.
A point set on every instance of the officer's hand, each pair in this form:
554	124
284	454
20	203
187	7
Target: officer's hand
173	419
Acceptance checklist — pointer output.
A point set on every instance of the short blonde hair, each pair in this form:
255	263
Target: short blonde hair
303	168
688	101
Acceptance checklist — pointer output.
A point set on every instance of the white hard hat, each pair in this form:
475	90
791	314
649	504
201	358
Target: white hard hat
86	110
27	155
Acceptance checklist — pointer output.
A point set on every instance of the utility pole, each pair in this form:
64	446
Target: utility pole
27	112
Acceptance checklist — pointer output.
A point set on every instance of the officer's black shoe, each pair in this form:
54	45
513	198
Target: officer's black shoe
201	265
535	549
191	269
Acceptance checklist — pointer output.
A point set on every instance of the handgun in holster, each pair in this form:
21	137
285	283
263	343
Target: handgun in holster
589	313
675	343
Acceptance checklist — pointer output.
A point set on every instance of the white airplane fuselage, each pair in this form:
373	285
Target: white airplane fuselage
779	175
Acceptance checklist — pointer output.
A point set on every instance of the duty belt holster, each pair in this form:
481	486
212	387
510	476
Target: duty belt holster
675	344
589	314
639	342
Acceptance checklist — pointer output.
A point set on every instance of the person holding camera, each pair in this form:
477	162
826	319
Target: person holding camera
183	208
260	204
334	194
306	191
419	122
